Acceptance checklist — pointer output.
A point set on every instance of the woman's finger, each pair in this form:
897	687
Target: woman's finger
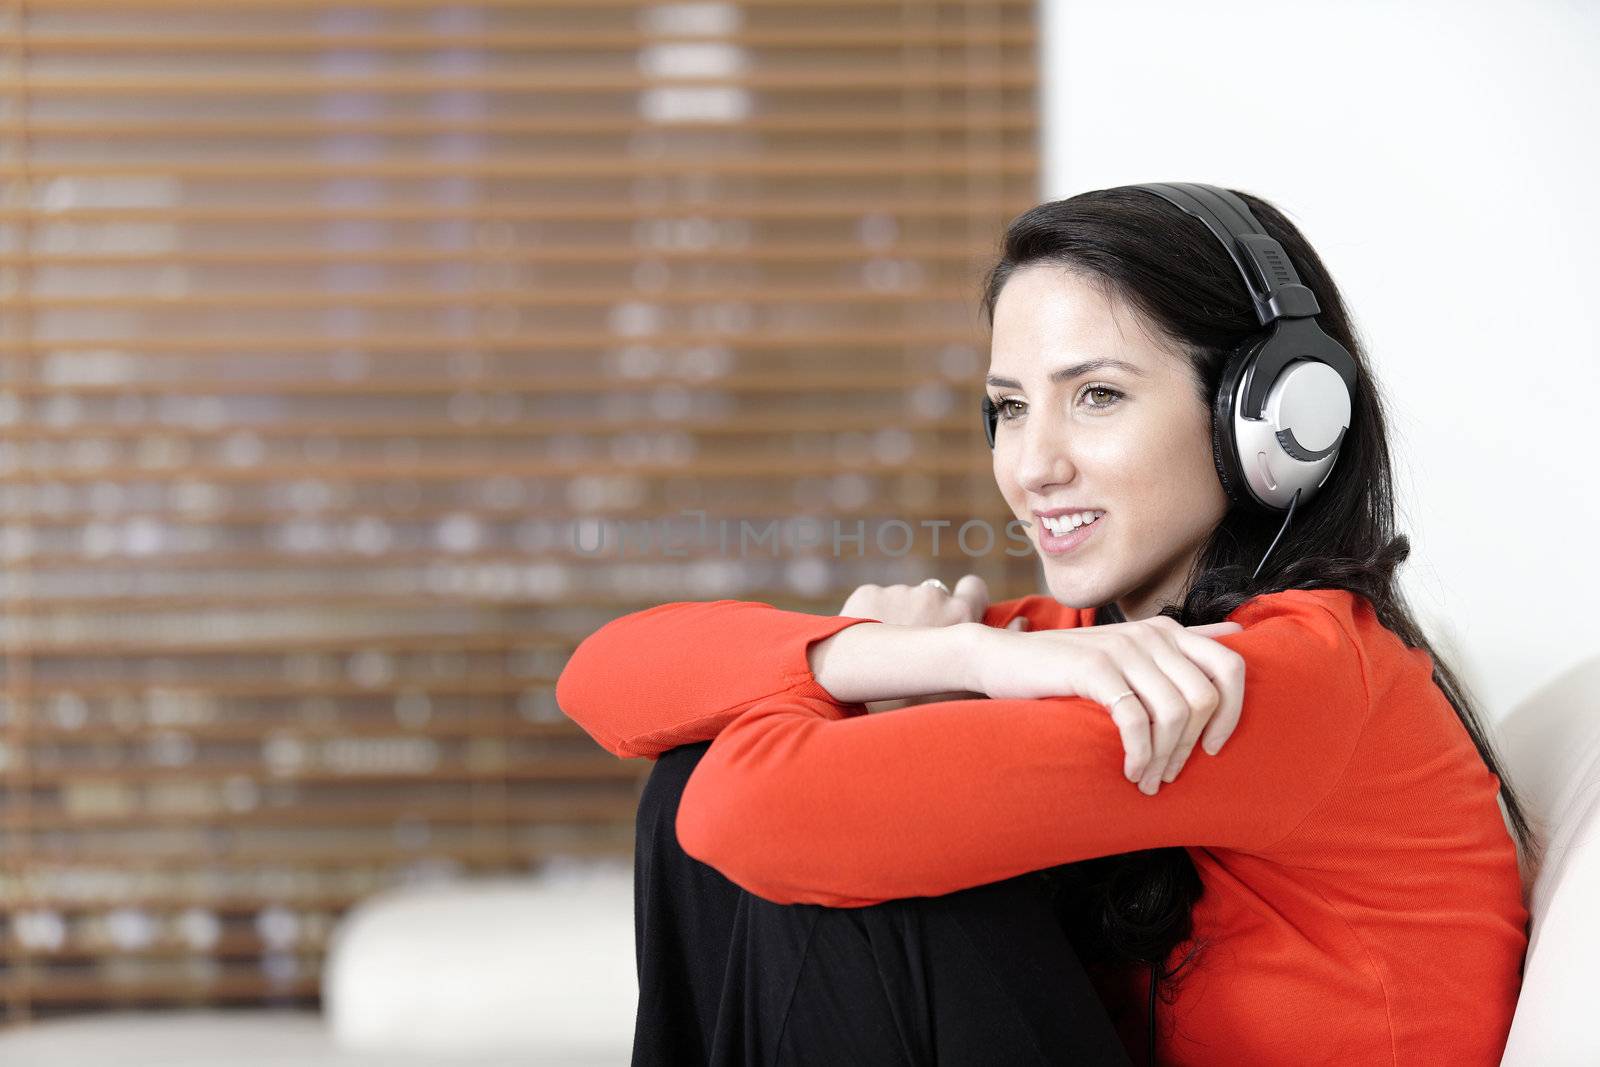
1225	668
1133	723
974	592
1104	683
1198	690
1166	707
1214	629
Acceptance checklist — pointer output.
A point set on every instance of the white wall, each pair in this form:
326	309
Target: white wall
1442	158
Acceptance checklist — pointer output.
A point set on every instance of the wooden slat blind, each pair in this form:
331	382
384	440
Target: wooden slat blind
327	324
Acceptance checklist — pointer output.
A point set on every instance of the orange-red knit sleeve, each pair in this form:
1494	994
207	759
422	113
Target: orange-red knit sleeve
678	673
799	806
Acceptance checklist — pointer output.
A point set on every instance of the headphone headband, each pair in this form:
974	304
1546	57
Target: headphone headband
1267	271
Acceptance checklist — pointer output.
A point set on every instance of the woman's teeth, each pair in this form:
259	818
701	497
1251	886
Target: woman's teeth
1065	524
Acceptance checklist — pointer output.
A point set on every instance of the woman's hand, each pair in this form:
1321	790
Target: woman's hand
923	605
1181	679
920	605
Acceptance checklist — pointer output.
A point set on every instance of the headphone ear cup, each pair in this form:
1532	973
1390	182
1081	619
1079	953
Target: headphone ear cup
1224	446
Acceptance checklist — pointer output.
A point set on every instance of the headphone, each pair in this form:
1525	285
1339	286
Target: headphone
1283	405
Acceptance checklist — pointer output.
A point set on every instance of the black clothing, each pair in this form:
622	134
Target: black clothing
982	976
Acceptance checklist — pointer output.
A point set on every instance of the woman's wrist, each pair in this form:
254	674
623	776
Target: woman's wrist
971	643
880	661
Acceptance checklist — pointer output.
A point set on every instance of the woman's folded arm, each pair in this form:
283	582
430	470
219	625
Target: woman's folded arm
678	673
798	805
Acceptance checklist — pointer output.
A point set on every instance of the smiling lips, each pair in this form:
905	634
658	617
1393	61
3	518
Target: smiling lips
1065	532
1064	523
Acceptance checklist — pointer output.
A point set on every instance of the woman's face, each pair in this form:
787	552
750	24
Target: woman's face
1130	440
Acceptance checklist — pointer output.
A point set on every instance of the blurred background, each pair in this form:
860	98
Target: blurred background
325	323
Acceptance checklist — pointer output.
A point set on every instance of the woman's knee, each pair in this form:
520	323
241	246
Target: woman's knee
981	972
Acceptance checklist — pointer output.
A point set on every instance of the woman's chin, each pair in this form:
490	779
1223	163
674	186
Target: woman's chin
1073	594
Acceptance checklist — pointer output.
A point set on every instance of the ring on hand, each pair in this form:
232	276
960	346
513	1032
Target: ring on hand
937	582
1121	697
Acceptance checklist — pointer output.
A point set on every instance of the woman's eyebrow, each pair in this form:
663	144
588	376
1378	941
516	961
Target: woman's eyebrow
1064	374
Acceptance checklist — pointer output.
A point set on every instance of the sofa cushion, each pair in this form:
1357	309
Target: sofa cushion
542	965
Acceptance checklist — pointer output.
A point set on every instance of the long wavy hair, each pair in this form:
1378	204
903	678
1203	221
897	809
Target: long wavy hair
1136	908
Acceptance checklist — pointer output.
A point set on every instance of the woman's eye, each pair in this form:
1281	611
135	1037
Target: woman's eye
1104	390
1106	397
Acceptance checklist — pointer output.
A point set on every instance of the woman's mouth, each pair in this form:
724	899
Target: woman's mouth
1065	533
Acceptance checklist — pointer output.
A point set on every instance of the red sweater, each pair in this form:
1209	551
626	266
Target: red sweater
1362	901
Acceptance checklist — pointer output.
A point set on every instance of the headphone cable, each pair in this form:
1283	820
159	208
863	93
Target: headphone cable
1150	1041
1292	502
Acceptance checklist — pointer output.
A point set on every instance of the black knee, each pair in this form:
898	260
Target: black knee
982	975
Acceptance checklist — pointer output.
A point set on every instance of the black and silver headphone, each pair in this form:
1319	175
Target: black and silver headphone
1284	402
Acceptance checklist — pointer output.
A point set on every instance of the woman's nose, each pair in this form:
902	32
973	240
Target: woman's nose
1043	457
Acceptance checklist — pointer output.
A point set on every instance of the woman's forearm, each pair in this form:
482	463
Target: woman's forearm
677	673
880	661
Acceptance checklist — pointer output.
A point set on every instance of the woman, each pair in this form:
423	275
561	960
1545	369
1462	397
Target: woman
1336	884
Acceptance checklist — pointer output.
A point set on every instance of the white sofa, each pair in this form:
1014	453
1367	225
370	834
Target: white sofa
1551	745
502	972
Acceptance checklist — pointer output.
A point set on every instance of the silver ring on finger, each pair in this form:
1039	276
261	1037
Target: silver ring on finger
1121	697
937	582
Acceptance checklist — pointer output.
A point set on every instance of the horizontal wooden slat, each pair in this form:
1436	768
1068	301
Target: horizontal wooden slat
243	517
482	684
767	424
63	738
167	130
893	7
571	384
248	903
905	35
601	767
546	341
834	79
774	208
530	296
704	467
730	384
308	857
388	600
224	905
321	600
190	646
209	645
858	165
249	987
793	252
392	640
226	946
238	561
576	808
